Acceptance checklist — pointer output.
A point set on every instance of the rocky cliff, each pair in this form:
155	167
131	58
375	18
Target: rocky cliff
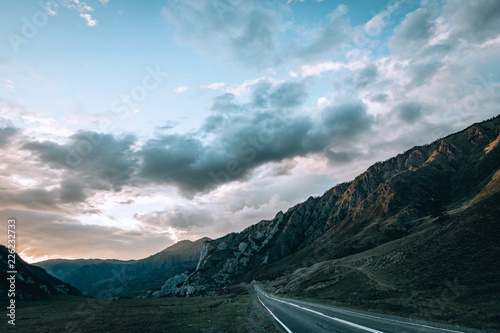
384	203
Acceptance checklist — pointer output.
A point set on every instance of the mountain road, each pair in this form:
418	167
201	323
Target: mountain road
297	316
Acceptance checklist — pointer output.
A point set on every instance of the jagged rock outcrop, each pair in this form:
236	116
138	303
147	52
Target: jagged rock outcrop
378	206
170	287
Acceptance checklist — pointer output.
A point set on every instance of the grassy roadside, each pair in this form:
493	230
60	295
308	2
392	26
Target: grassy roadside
230	313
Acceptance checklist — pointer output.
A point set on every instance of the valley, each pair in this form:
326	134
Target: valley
415	236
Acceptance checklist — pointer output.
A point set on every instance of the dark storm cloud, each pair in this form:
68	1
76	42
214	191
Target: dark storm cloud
409	112
89	162
72	191
211	123
49	152
101	160
6	133
476	21
288	95
347	120
260	94
414	31
174	159
284	95
241	143
231	143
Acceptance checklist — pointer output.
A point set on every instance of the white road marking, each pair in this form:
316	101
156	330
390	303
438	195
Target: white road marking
272	314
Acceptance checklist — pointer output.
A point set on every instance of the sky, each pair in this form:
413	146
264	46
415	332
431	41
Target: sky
127	126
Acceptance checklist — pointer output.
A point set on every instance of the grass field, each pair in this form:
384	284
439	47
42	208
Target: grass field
231	313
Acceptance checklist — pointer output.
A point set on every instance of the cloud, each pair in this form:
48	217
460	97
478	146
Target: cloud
224	103
8	84
128	202
346	120
414	32
103	161
62	236
252	33
181	89
260	94
409	112
288	94
318	68
6	133
256	41
237	138
239	143
325	40
90	22
341	157
422	73
242	32
35	199
178	217
72	191
474	21
381	98
366	76
79	5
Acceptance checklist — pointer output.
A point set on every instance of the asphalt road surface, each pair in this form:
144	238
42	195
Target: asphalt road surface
298	317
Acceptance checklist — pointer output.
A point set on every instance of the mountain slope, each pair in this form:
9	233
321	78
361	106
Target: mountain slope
445	270
387	202
31	282
135	278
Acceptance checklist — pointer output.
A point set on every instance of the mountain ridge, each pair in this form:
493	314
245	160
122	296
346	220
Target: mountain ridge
135	278
379	205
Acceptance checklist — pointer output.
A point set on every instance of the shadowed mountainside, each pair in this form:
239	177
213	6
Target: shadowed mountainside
134	278
31	282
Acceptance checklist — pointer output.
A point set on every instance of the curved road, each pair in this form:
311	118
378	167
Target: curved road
297	317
